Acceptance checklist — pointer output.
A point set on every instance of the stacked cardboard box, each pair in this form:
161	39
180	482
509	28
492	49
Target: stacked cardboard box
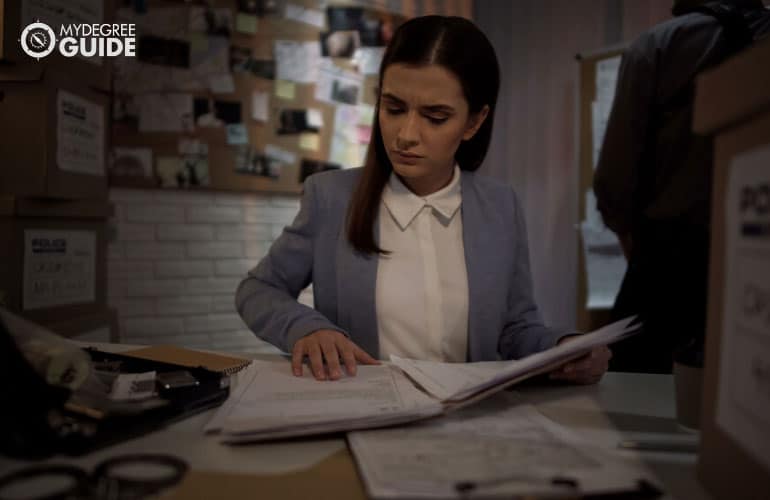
53	184
54	257
54	140
733	105
15	15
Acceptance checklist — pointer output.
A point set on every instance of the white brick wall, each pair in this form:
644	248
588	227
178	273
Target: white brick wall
177	257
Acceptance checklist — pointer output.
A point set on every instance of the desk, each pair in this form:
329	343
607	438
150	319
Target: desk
622	405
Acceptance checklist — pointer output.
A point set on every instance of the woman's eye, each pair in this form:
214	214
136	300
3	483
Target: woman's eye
436	120
394	111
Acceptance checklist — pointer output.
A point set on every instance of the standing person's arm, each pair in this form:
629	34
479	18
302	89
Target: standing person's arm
621	159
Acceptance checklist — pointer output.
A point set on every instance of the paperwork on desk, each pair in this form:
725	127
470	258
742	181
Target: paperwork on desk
269	402
498	448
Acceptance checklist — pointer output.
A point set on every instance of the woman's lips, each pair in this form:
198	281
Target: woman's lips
408	158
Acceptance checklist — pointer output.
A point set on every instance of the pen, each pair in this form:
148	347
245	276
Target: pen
678	445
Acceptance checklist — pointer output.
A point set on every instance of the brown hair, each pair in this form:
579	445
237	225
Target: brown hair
459	46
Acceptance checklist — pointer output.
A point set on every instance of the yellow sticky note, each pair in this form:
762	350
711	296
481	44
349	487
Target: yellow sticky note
246	23
310	142
285	89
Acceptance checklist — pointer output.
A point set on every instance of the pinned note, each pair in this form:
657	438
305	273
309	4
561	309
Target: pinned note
285	89
259	106
309	141
246	23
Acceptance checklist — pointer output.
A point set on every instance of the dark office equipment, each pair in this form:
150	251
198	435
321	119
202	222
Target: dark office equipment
37	421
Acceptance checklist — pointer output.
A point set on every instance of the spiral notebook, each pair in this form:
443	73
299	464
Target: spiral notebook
220	363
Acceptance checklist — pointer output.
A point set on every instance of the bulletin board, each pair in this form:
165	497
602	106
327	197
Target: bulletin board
588	319
208	150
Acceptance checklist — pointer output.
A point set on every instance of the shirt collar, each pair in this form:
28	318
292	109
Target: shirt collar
404	205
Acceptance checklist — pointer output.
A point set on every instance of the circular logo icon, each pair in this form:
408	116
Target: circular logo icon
38	40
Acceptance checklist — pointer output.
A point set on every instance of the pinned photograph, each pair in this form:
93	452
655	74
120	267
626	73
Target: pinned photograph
163	51
295	121
375	28
212	21
337	85
340	43
262	68
252	162
135	163
187	171
215	113
345	93
242	61
239	58
125	112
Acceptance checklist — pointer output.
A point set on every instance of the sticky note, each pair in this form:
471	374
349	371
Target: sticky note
246	23
310	142
285	89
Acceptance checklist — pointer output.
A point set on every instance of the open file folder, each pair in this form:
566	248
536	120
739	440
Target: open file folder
271	403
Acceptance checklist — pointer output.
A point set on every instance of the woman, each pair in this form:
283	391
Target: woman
413	254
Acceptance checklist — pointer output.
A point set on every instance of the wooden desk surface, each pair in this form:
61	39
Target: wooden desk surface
621	406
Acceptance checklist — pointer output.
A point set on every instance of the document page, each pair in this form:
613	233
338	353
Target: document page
274	400
454	382
497	448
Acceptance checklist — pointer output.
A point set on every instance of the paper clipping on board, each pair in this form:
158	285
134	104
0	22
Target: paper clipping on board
59	268
80	135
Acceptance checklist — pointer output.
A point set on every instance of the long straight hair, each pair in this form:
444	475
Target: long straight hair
457	45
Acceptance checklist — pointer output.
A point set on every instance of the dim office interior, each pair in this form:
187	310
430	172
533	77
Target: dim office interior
170	295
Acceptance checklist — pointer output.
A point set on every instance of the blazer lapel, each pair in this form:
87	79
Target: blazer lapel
356	281
478	259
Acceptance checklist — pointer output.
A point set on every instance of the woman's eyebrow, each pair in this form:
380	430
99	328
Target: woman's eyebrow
439	108
432	108
391	97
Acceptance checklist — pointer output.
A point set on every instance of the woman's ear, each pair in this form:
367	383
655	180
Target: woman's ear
475	121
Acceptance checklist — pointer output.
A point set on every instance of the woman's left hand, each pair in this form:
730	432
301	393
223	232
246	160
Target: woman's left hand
587	369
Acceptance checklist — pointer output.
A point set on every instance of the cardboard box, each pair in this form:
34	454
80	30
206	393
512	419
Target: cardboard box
15	15
733	104
54	258
54	140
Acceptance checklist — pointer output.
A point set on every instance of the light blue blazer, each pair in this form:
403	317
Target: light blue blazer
503	320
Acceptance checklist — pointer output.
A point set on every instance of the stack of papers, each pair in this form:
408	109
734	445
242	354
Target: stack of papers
458	385
498	448
269	402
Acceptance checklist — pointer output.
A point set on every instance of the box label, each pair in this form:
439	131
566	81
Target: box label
59	268
56	13
743	399
79	135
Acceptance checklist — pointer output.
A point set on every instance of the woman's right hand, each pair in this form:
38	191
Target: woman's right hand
329	345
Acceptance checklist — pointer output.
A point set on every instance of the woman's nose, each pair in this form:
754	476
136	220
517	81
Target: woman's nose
409	134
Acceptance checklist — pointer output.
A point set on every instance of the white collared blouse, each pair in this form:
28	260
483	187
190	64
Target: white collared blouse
422	285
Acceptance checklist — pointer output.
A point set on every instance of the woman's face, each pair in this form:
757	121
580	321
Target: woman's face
423	119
